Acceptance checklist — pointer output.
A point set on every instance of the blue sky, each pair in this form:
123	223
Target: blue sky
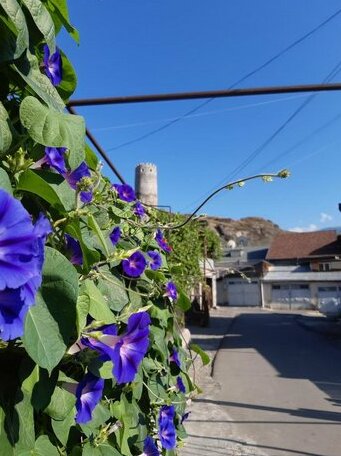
152	46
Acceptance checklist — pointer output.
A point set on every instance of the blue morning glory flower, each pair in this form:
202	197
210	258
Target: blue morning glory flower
125	192
21	252
21	263
53	66
13	310
74	249
54	157
167	432
149	447
115	235
180	385
139	209
126	350
163	244
174	357
171	291
156	261
89	393
134	265
75	177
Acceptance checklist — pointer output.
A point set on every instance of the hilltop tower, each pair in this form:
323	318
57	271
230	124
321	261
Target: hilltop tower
146	183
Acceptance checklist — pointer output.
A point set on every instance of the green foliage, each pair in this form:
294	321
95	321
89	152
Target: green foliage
41	370
190	244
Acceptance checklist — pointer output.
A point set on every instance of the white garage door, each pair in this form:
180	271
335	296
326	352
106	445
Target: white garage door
242	293
292	295
329	300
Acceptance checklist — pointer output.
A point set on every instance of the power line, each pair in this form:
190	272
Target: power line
242	79
302	141
201	114
269	140
292	116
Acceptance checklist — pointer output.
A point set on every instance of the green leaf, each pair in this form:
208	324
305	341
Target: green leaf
42	447
43	22
113	292
24	411
60	9
90	157
99	416
83	306
69	82
50	325
101	369
5	183
5	131
51	187
159	337
28	68
203	355
62	402
98	307
62	427
183	302
103	449
52	128
94	226
16	15
5	443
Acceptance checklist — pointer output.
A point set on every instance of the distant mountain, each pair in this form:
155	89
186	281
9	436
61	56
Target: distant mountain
251	231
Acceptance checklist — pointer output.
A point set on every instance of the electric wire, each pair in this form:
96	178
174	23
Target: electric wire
203	114
301	142
240	80
251	157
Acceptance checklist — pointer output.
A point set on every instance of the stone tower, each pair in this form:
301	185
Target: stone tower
146	183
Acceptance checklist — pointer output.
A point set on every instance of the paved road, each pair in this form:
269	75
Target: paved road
280	386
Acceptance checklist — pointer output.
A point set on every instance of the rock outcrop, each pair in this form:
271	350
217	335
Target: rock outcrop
251	231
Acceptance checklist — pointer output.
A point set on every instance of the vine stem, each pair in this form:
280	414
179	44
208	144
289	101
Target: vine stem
281	174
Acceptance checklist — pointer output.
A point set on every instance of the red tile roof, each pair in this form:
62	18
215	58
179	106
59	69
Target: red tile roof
302	245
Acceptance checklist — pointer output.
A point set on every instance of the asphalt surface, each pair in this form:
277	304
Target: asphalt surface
273	387
279	377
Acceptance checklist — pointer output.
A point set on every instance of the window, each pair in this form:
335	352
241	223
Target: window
324	267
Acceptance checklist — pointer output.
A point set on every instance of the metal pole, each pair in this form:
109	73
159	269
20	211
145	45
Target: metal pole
206	94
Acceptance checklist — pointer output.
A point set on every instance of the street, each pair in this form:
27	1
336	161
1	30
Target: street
280	384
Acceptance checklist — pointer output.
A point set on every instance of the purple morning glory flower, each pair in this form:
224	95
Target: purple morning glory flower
174	357
166	427
21	262
115	235
134	265
13	310
171	291
180	385
54	157
125	192
20	247
89	392
163	244
139	209
167	412
127	350
156	261
75	178
74	249
52	65
149	447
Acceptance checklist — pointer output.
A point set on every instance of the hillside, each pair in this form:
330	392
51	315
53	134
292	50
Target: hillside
250	231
